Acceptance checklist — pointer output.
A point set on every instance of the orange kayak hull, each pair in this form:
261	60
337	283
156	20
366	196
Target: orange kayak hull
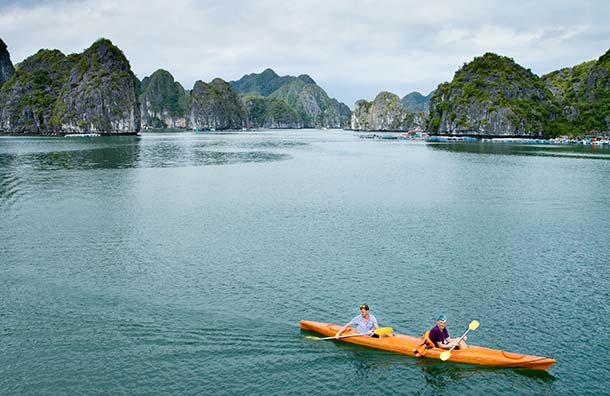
407	345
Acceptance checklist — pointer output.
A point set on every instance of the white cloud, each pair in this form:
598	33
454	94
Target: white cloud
353	49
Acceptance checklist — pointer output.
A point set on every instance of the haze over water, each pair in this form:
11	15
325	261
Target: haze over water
179	264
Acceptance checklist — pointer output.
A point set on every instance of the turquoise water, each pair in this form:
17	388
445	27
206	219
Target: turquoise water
181	264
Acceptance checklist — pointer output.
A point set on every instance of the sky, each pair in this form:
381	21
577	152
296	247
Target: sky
352	49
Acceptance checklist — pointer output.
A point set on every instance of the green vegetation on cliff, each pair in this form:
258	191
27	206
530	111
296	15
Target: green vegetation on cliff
584	94
385	113
265	83
163	101
265	112
215	105
415	102
493	95
301	94
313	105
100	94
89	92
28	98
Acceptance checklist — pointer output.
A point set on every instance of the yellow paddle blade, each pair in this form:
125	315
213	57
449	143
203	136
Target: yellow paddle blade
473	325
384	330
445	355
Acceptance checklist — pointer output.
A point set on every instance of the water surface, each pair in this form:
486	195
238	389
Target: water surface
176	264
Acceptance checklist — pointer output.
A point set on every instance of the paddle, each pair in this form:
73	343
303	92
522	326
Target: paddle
472	326
379	331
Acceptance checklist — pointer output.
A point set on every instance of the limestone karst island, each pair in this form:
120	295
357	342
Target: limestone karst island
492	96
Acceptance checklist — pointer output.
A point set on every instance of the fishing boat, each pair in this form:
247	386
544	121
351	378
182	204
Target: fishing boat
408	345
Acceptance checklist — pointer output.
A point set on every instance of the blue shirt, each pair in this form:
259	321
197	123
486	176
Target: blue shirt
364	326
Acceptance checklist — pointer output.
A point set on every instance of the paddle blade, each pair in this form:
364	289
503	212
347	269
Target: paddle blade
445	355
384	331
314	338
473	325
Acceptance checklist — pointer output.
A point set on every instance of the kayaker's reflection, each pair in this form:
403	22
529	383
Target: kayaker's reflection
365	323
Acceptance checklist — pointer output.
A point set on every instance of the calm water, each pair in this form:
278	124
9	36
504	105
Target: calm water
181	264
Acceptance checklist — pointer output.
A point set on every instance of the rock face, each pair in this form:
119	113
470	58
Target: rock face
312	105
90	92
270	113
492	95
416	102
6	66
28	99
163	102
385	113
215	106
100	94
583	92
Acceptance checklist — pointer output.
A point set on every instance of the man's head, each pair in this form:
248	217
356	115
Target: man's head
364	310
441	321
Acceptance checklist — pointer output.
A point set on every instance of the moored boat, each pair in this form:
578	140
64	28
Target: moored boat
408	345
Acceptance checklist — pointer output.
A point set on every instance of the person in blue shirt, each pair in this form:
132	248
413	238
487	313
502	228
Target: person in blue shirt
365	323
440	336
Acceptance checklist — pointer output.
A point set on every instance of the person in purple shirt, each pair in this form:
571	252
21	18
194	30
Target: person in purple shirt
365	323
440	336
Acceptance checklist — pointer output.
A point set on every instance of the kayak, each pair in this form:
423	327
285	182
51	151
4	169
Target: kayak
408	345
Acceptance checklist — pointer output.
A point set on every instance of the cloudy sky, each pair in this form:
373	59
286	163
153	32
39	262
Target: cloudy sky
353	49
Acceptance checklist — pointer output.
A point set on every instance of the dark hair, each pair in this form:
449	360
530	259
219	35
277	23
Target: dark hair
364	306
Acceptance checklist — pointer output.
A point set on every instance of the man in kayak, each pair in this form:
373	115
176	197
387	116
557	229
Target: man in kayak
365	323
440	336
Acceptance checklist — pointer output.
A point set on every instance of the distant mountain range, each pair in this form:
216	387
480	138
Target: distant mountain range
415	102
96	91
305	103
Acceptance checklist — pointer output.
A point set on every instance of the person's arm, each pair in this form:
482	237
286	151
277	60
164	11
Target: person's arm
451	342
348	324
444	346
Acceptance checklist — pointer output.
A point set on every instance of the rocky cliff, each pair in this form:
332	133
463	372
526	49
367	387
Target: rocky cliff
583	92
90	92
163	102
270	113
215	106
100	94
385	113
313	106
28	98
492	95
6	66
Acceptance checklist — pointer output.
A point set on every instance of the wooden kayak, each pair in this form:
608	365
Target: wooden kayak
407	345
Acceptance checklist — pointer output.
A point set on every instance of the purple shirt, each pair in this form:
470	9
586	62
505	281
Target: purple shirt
437	336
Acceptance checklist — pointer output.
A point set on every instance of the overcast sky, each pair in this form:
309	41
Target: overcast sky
353	49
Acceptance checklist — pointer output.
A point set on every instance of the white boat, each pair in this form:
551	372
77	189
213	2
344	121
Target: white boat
82	135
